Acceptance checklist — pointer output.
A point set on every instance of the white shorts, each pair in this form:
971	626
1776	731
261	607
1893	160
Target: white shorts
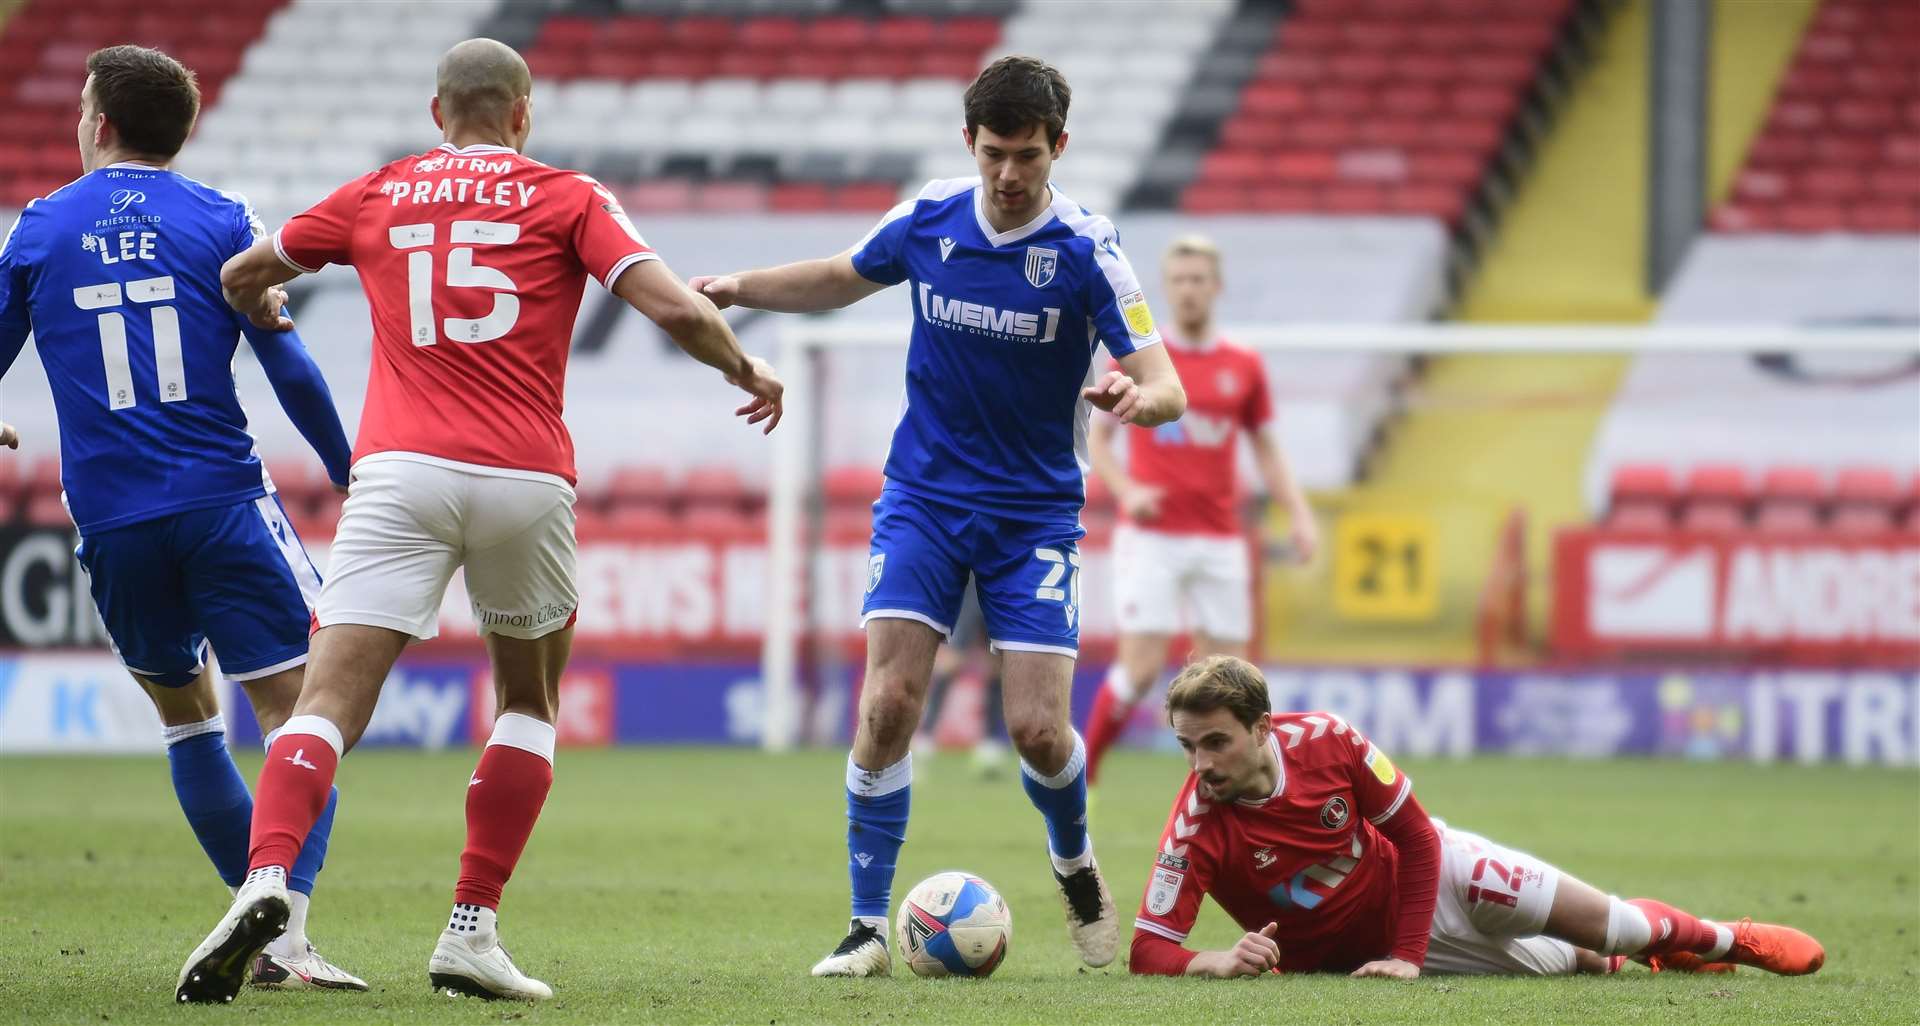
1492	905
1174	583
410	521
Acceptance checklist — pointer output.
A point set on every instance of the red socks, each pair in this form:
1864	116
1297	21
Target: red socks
1675	930
503	802
1104	725
293	789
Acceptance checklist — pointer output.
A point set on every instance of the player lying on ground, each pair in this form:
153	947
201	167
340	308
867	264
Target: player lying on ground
185	543
1311	839
1180	562
474	259
1012	286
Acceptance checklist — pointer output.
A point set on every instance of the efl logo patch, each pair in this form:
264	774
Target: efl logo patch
875	567
1171	861
1333	815
1164	891
1133	306
1041	263
1381	766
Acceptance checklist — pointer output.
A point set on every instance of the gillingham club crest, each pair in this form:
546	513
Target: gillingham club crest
1041	263
876	565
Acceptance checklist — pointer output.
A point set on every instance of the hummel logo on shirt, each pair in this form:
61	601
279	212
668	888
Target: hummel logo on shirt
475	782
297	760
946	246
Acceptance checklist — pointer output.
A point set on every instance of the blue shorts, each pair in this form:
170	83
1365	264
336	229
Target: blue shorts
1026	574
236	576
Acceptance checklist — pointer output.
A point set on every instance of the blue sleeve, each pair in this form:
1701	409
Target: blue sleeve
1115	303
16	321
879	256
303	393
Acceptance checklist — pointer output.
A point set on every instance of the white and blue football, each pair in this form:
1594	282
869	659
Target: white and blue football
953	924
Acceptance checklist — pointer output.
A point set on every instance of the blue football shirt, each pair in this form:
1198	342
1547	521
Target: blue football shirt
117	277
1004	330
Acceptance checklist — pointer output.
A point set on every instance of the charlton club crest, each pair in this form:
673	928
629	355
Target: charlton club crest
1333	815
1041	263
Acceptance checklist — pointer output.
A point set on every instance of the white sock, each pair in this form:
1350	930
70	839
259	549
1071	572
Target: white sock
1722	943
1068	867
476	921
1628	930
293	943
265	873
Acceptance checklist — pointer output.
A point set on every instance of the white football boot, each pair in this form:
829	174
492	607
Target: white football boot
1092	921
477	965
307	970
863	952
217	968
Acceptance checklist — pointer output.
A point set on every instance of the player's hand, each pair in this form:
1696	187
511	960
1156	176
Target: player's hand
760	382
1141	502
1116	394
1389	968
1256	953
266	311
1304	536
9	437
723	289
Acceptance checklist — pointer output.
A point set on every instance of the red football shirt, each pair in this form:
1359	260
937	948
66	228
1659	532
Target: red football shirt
474	262
1309	857
1193	459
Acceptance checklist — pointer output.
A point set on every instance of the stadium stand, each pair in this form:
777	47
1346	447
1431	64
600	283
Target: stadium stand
1372	106
1840	150
42	55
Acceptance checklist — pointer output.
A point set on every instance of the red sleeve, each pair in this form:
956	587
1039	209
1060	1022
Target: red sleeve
1258	412
324	233
1154	955
1385	797
1418	880
604	238
1183	867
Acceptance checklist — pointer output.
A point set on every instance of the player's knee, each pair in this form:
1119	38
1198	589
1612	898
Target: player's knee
890	713
1034	737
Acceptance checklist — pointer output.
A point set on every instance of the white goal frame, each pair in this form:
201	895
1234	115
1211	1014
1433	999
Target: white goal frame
795	446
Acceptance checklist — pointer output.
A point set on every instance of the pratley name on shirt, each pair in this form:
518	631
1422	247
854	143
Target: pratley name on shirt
460	190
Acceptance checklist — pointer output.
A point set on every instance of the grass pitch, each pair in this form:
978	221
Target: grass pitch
698	885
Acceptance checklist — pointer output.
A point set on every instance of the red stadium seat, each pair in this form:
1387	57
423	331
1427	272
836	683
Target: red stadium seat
722	485
866	196
1786	516
1792	482
789	197
638	486
852	485
1281	199
1722	482
1210	198
1638	516
1876	485
1713	516
1652	481
1856	520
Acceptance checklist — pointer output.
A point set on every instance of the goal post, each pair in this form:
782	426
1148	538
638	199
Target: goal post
813	353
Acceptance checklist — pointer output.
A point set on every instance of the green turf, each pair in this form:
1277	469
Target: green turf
698	885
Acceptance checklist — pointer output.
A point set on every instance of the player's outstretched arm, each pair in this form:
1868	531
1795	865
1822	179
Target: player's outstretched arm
695	325
806	286
1145	391
1277	473
1255	953
303	393
248	279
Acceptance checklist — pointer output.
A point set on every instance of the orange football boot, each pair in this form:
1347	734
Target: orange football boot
1686	962
1777	949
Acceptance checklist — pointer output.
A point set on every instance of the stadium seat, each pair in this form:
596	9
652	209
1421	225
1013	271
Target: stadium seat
852	486
1642	481
1836	152
1638	516
639	487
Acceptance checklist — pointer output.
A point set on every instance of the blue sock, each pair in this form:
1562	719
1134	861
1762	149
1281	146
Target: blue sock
1062	799
212	794
877	803
313	854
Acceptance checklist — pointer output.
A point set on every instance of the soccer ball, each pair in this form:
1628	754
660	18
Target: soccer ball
953	924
